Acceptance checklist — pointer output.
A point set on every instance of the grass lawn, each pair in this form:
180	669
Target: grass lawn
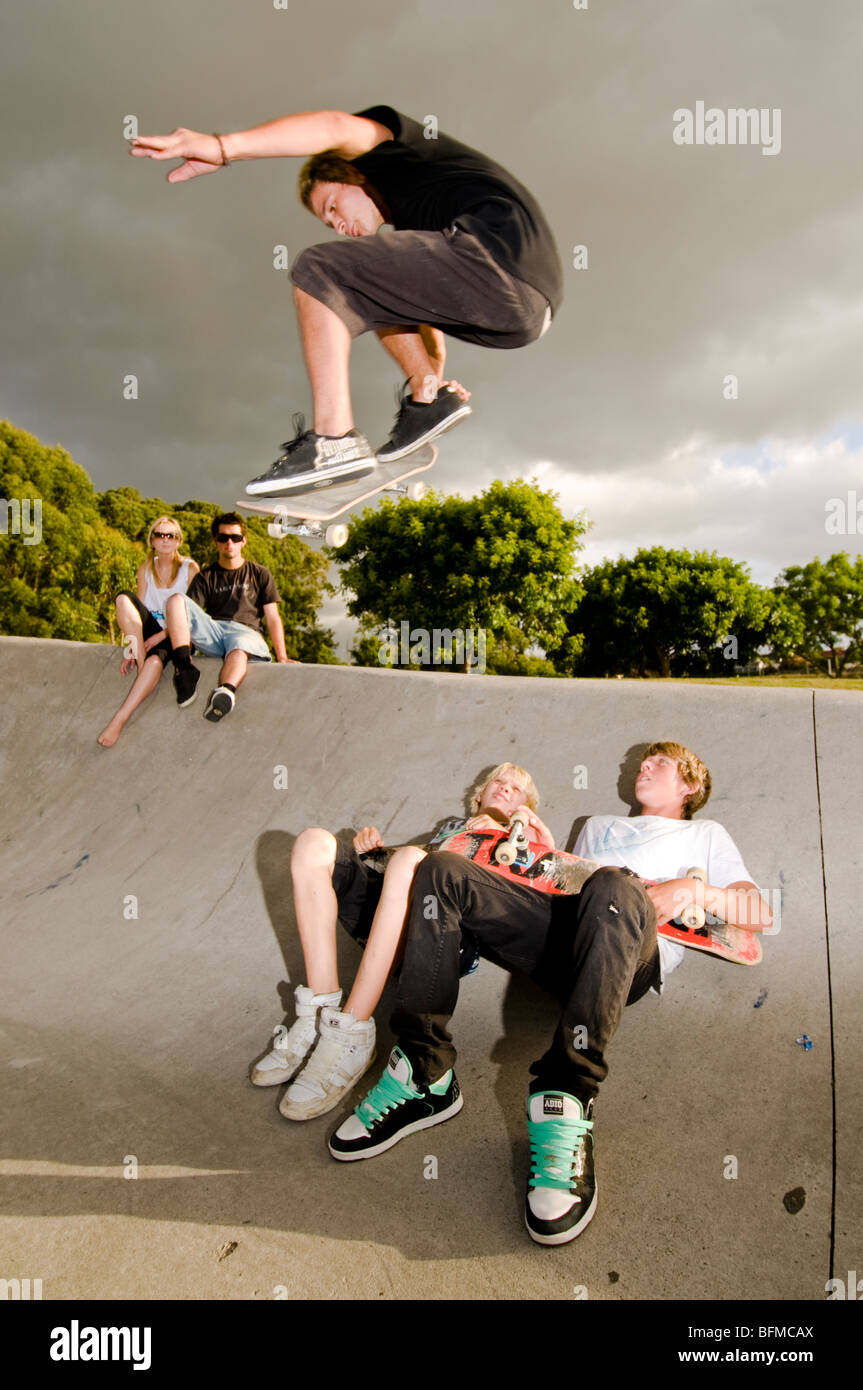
789	680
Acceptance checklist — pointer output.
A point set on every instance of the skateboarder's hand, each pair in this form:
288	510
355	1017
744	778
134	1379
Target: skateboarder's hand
200	151
671	898
367	839
536	829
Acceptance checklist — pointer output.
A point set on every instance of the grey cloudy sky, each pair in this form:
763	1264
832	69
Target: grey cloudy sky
703	260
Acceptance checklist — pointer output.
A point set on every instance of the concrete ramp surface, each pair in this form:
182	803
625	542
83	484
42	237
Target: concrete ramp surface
148	927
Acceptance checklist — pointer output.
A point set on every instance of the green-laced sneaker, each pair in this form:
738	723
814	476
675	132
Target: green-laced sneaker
394	1108
561	1190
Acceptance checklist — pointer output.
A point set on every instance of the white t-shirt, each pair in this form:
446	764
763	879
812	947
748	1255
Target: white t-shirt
659	848
156	599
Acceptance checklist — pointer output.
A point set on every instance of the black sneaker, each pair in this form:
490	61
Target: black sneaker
186	684
394	1108
220	703
417	423
561	1190
314	460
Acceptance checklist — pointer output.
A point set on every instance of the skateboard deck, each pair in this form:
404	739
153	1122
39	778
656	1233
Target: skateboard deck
554	871
307	509
718	938
535	866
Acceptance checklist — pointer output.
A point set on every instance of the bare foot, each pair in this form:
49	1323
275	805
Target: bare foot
110	734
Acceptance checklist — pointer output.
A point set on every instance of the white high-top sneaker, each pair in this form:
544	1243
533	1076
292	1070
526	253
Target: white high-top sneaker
345	1050
291	1048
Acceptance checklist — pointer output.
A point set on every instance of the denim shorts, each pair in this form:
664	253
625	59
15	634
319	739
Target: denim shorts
218	636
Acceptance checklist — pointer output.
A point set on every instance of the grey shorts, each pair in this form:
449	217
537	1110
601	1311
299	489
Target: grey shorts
404	278
218	636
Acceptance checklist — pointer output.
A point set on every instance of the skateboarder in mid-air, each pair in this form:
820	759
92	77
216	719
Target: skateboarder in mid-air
439	239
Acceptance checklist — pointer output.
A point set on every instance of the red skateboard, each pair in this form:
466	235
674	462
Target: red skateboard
534	865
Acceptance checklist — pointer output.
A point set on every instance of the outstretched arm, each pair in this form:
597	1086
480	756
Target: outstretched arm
303	134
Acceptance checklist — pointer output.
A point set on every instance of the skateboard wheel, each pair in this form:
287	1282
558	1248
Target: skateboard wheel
274	528
693	916
505	854
415	491
336	535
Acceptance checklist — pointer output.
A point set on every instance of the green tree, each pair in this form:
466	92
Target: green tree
666	612
91	544
827	600
501	564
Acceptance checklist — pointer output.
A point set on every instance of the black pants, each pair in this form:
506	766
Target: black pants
597	952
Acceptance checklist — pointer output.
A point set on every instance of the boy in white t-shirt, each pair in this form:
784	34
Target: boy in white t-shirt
663	842
597	952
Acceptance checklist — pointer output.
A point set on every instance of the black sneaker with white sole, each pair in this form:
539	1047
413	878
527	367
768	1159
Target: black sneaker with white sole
314	460
395	1107
418	423
186	684
220	703
561	1189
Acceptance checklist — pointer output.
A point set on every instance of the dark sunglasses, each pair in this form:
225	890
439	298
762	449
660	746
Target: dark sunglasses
224	537
165	536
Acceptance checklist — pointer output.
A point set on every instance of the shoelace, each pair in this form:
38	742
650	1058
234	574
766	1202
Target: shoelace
404	400
300	432
554	1146
388	1093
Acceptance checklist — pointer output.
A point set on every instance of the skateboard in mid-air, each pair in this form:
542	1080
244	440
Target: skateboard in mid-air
511	853
312	509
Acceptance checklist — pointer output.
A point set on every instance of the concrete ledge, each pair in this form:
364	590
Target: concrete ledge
131	1036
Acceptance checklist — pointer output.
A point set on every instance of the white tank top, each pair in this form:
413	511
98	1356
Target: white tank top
156	599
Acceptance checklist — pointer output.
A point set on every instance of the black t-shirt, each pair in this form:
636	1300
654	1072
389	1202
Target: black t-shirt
430	184
235	595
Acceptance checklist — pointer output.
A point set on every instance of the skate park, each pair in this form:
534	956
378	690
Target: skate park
151	949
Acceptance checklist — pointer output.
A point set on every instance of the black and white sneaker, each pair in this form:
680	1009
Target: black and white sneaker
561	1190
186	684
220	703
417	422
314	460
394	1108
